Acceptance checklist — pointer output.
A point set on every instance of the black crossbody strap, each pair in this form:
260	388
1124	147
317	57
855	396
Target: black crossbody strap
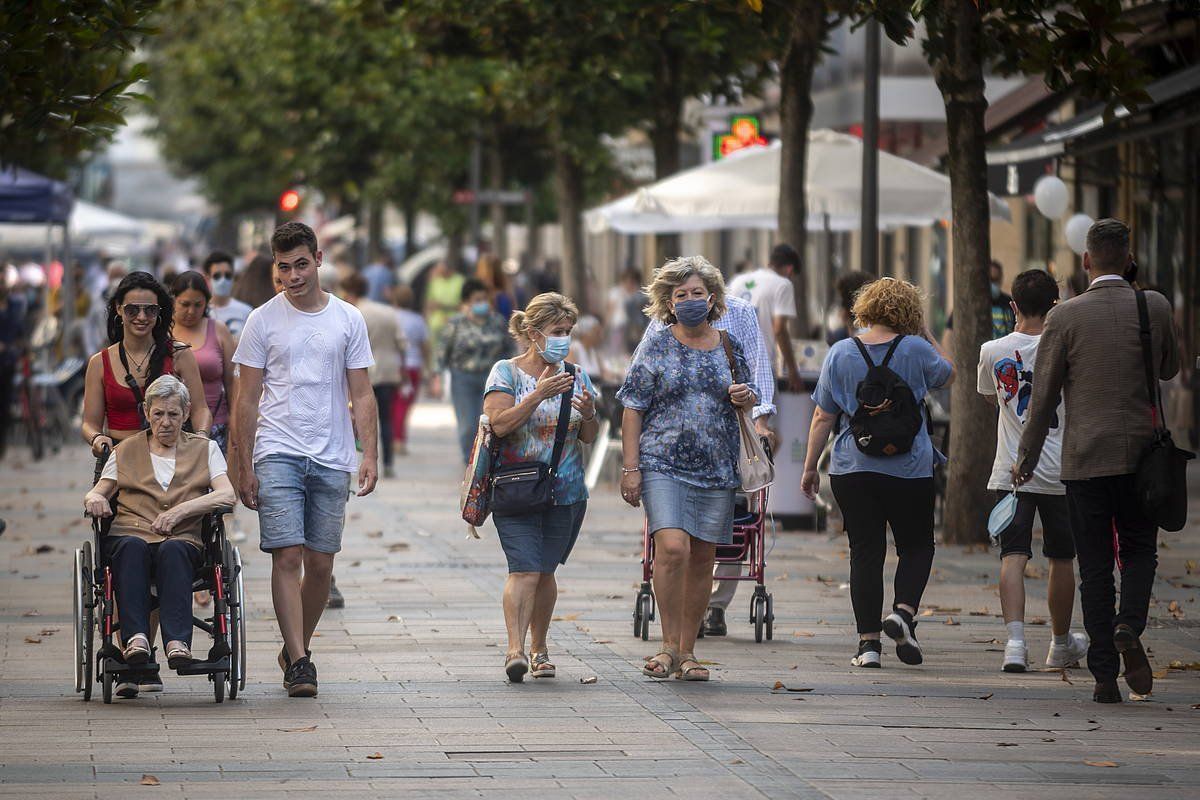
862	348
1152	389
892	350
132	383
564	419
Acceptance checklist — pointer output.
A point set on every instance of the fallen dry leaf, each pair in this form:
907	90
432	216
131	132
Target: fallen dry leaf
377	756
805	634
149	780
1100	763
602	641
927	612
1160	673
589	679
397	580
988	696
566	618
395	547
374	534
1190	566
33	640
951	621
394	618
1038	621
47	631
1007	744
1180	665
45	548
32	613
309	729
735	762
779	686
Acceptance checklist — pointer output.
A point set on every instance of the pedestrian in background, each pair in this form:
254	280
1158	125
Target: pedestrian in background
773	296
380	275
523	400
416	357
1091	354
846	287
211	344
471	342
1008	371
489	270
387	347
680	442
443	297
224	307
876	491
12	337
256	285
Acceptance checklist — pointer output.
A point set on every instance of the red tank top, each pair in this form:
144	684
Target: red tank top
120	403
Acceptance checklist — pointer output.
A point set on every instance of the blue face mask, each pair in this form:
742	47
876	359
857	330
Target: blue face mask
691	313
556	348
481	309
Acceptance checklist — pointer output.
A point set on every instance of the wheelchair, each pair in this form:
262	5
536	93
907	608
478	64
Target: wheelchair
95	613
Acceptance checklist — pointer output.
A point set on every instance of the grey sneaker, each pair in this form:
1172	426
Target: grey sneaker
1070	654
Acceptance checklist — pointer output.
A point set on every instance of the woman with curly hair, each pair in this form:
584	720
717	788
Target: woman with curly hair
679	438
877	491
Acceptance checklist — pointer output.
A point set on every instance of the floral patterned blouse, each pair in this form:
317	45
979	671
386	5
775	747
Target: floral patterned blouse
534	441
689	427
468	345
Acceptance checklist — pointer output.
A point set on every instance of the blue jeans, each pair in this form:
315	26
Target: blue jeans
172	566
466	395
300	502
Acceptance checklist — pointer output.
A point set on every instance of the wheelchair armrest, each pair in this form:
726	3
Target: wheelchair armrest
222	510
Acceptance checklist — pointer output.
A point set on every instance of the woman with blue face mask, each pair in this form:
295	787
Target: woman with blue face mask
680	441
523	402
468	345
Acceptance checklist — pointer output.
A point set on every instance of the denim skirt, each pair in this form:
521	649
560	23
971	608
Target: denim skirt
705	514
541	541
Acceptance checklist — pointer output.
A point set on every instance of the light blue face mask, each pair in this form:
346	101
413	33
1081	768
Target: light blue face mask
222	287
556	348
481	309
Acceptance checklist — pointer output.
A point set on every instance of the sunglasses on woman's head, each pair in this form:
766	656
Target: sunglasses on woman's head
133	310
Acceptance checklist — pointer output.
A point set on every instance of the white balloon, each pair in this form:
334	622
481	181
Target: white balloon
1050	196
1077	228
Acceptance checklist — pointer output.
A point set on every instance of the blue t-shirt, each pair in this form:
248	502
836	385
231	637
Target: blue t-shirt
918	363
689	427
534	441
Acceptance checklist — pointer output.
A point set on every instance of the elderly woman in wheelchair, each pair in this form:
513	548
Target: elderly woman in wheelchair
165	483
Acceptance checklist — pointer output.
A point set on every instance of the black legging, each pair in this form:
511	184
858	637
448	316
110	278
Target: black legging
870	502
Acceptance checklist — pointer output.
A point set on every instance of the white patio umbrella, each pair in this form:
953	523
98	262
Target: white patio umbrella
742	191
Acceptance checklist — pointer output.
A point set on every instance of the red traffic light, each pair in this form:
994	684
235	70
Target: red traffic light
289	201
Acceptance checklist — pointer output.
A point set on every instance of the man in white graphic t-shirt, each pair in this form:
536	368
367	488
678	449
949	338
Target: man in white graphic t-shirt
304	356
771	292
1007	368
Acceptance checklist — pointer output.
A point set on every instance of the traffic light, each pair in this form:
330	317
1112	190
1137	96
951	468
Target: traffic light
289	201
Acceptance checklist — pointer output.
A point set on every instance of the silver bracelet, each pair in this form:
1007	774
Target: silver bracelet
627	470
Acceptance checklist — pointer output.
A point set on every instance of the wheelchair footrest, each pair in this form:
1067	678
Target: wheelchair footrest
205	667
119	667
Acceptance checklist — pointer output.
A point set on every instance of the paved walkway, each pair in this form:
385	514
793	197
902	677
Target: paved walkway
413	698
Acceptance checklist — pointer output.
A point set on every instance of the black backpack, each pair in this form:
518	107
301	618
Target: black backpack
888	417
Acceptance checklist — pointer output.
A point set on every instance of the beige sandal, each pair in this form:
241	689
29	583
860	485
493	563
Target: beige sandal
696	672
515	666
656	667
137	650
541	666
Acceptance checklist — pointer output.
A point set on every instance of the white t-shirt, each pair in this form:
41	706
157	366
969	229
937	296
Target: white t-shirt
164	468
1006	371
772	295
305	405
233	315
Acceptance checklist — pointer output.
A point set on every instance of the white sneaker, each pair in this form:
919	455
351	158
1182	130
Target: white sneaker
1016	656
1069	654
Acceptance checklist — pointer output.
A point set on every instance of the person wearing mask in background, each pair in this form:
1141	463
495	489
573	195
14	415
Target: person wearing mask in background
490	271
224	308
1091	354
846	286
416	356
381	280
472	341
1004	320
773	296
256	284
878	491
387	345
443	297
1006	376
740	320
523	401
616	314
680	443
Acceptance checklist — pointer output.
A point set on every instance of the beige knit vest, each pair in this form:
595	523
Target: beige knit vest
142	498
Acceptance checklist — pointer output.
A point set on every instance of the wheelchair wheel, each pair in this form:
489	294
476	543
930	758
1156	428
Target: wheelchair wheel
218	680
237	627
108	686
84	607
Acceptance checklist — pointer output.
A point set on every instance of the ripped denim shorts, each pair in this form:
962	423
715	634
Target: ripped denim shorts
300	502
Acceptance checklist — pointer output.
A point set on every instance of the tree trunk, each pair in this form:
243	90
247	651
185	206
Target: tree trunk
496	211
410	227
375	243
959	75
808	30
664	135
568	186
454	247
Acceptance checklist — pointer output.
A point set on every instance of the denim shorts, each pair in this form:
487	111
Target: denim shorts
300	502
705	514
540	542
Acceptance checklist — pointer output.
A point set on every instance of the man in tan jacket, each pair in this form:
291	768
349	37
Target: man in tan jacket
1091	353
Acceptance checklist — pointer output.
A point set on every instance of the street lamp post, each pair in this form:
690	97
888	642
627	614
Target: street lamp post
869	228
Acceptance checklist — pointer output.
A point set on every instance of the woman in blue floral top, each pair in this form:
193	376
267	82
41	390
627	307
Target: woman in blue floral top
522	402
680	443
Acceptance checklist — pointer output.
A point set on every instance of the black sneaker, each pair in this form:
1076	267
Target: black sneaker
285	662
301	678
901	628
150	682
869	652
714	624
126	688
335	596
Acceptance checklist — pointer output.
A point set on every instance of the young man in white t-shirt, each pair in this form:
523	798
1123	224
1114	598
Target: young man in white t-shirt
771	293
1006	374
303	356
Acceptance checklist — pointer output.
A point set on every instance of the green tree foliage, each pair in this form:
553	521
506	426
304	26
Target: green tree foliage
1076	45
65	76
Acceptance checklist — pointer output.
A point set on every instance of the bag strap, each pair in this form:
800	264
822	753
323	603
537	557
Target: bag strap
132	383
863	349
1153	392
564	419
891	350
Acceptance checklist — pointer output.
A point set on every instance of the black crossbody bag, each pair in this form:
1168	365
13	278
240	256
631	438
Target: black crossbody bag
527	487
1161	478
